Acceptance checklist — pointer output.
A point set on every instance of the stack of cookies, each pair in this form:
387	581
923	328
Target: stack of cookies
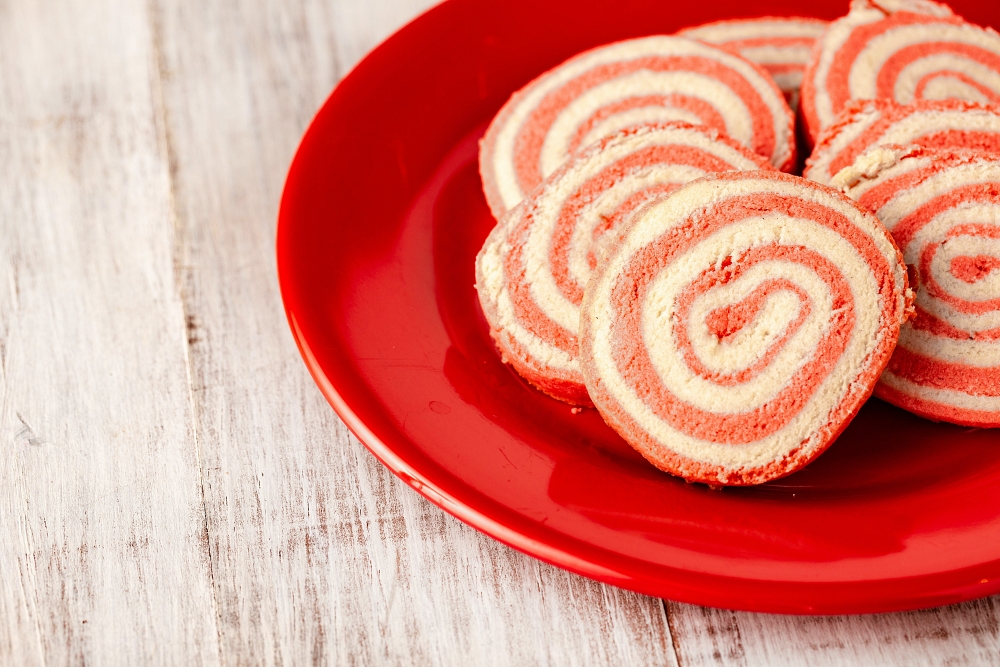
655	258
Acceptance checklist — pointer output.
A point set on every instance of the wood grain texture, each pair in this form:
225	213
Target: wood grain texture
101	514
319	553
965	634
173	487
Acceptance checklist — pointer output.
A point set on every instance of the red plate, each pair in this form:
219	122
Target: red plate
381	218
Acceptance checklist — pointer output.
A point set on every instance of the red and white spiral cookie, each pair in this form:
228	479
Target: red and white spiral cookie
736	326
601	91
780	44
905	52
943	209
864	124
533	269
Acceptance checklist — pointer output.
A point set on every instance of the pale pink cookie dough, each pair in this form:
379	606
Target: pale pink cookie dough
902	50
736	326
609	88
864	124
533	269
780	44
943	209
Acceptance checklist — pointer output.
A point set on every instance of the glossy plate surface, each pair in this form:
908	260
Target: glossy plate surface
381	218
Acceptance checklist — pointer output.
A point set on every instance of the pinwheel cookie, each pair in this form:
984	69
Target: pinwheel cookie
864	124
781	45
943	209
533	269
902	50
601	91
736	326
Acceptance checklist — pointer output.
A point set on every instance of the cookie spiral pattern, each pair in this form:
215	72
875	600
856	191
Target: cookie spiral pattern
906	52
864	124
534	267
601	91
736	326
943	209
779	44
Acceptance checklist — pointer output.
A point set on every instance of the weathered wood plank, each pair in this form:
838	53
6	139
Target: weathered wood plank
103	552
966	634
320	554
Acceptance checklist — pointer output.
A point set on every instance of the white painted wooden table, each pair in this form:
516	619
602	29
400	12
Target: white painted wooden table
173	488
